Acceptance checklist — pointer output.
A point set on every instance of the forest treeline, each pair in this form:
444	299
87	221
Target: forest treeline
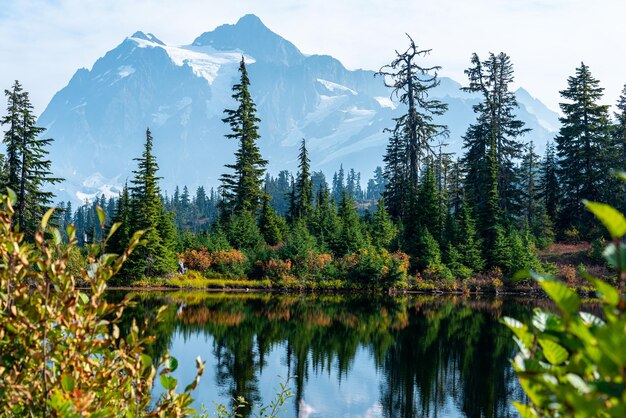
425	216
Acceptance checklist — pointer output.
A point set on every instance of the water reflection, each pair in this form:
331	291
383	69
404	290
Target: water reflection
363	356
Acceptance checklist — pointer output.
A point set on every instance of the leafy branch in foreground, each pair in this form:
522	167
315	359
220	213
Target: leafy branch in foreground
61	353
573	364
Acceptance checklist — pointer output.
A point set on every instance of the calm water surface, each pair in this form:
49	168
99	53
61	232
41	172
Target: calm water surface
349	356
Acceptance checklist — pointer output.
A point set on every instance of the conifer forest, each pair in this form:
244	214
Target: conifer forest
424	219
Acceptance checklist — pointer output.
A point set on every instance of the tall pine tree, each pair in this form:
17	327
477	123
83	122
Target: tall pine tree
148	214
241	189
496	124
303	199
583	135
28	169
411	84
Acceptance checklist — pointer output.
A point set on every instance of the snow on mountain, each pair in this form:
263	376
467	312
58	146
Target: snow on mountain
99	119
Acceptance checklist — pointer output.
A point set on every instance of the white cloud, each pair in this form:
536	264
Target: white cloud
44	42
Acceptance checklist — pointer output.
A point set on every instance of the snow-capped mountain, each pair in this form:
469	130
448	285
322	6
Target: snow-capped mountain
99	119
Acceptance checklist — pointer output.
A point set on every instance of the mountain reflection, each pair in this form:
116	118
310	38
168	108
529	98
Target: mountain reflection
409	356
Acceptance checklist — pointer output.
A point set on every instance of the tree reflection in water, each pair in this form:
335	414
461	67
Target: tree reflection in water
426	356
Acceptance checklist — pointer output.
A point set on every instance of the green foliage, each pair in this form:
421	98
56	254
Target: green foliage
382	229
573	363
351	237
583	135
241	189
242	231
492	142
157	255
454	261
26	170
377	268
299	246
270	224
51	333
303	193
428	212
429	251
469	245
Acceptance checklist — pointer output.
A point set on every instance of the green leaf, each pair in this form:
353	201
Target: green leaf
611	218
553	352
12	195
607	292
522	274
146	361
610	254
101	215
168	382
566	299
589	319
46	218
171	364
114	228
578	383
83	298
57	236
67	383
620	175
525	411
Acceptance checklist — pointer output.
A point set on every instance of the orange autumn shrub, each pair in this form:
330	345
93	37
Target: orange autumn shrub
277	270
199	260
229	262
315	263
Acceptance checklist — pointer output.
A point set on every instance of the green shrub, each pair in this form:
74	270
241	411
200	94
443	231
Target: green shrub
573	364
243	232
51	334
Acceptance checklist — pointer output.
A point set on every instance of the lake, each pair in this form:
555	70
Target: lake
346	356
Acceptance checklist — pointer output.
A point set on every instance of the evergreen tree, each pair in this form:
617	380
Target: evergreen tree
325	224
304	186
412	85
269	222
338	184
469	244
496	127
455	192
529	176
491	230
243	232
549	183
351	236
279	189
318	180
28	170
383	231
429	252
241	190
147	213
119	241
396	177
583	135
619	138
428	211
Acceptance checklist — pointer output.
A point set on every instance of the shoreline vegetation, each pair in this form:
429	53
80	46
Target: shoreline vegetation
567	262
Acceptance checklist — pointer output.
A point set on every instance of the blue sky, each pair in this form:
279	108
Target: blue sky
45	41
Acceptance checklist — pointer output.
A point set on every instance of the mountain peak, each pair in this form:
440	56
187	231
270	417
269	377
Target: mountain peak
251	36
147	37
251	20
